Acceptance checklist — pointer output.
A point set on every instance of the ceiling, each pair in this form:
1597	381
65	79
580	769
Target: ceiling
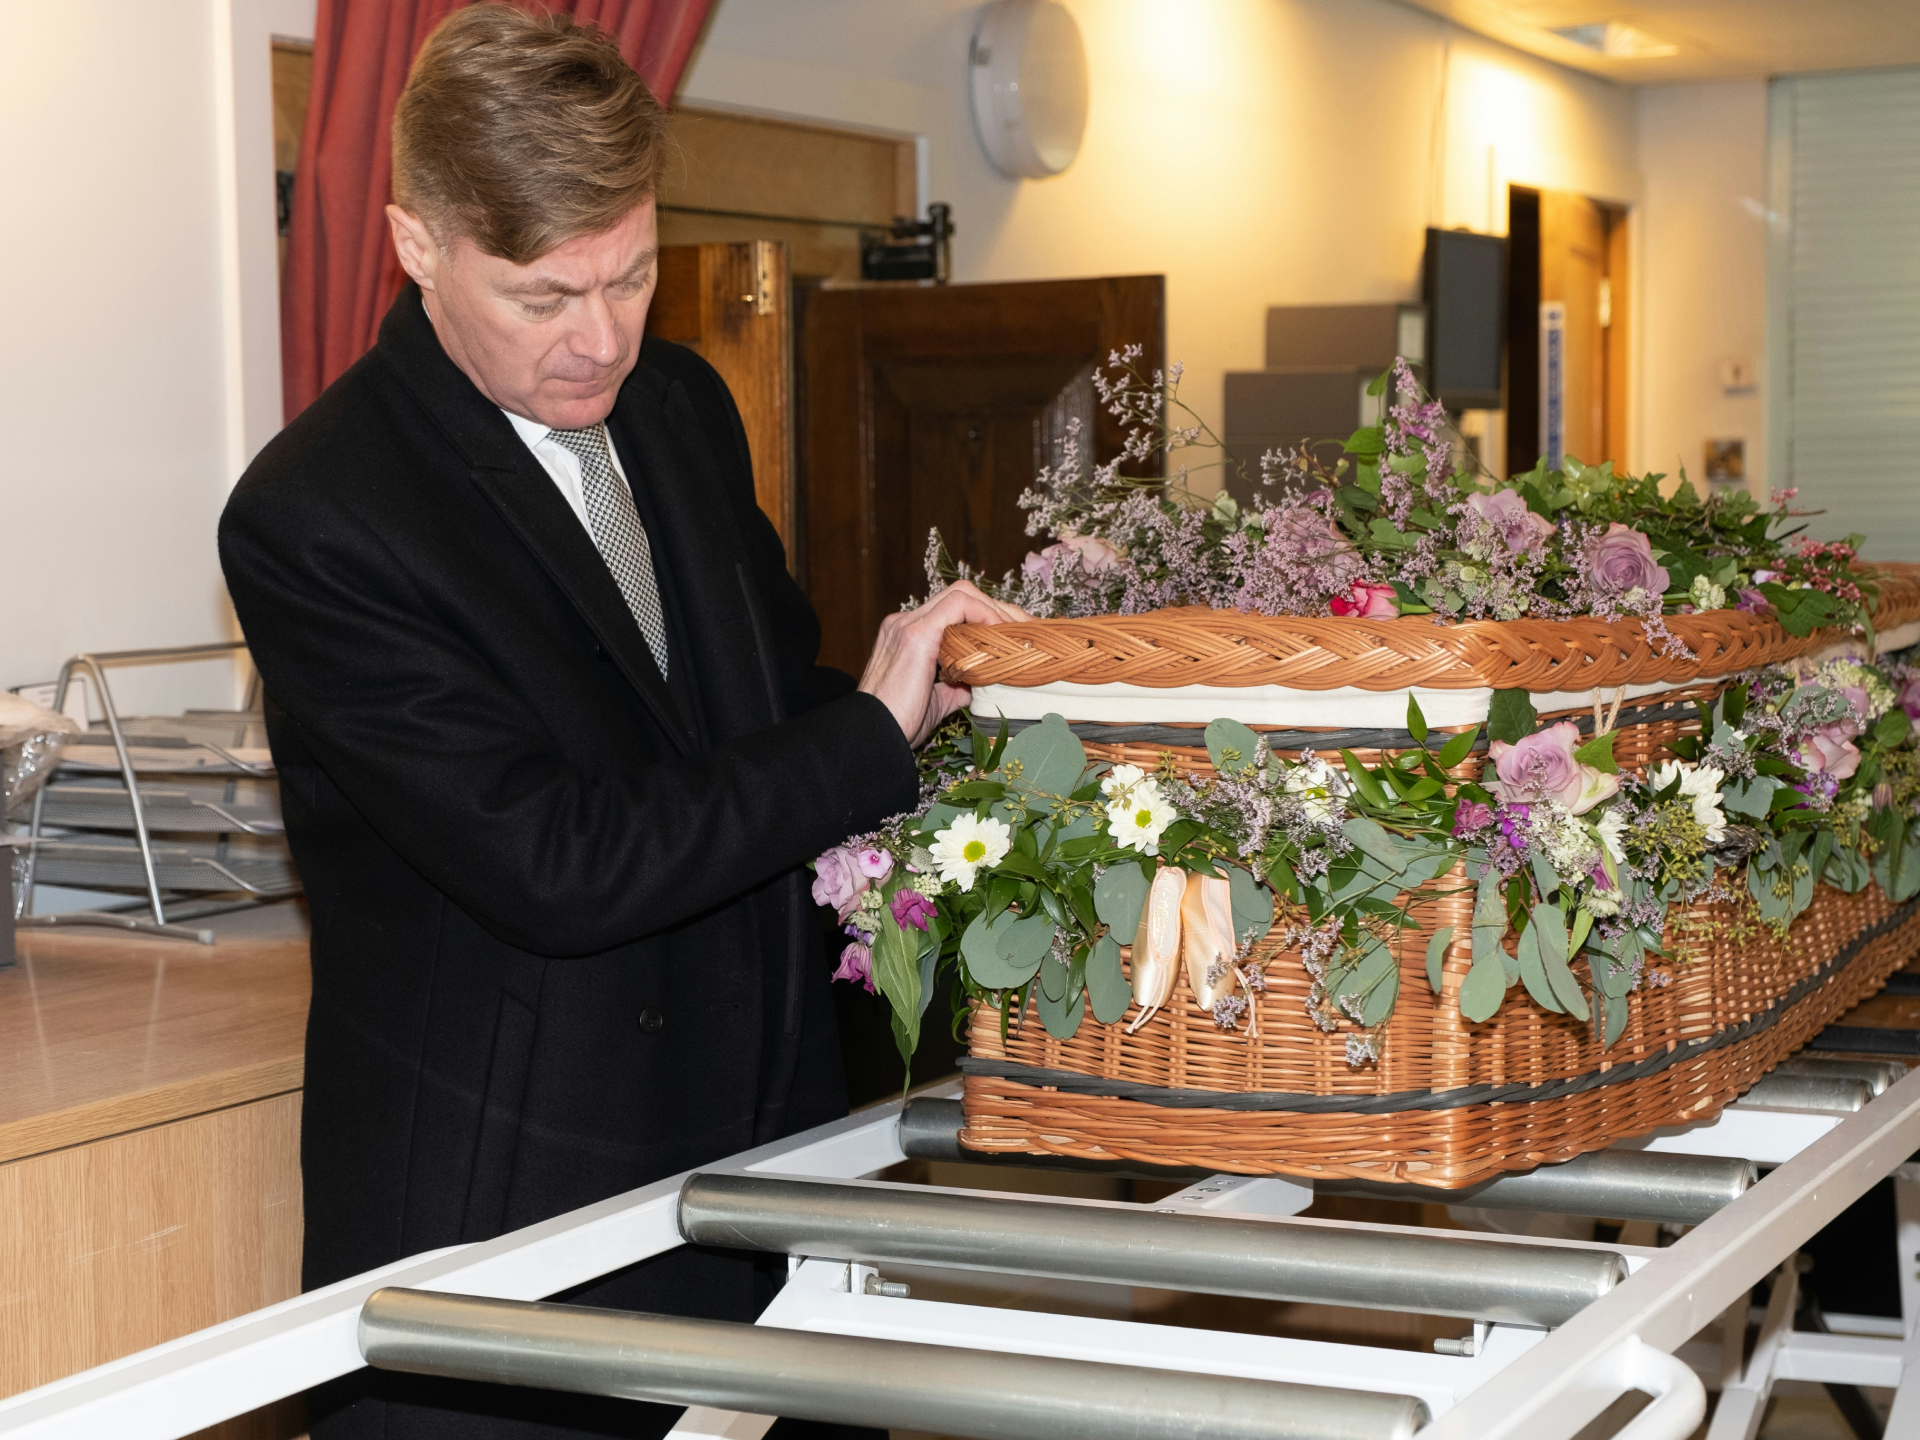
1711	39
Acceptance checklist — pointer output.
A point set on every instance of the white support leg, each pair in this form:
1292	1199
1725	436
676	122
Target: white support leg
1906	1242
1903	1422
1743	1399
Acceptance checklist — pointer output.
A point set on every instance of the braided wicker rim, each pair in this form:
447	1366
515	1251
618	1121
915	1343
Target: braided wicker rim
1197	646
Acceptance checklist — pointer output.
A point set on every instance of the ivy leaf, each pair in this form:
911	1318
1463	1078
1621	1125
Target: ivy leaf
1510	716
1107	985
1598	752
1231	746
1437	956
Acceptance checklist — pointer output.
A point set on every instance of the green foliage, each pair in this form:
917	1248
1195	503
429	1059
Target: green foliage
1510	716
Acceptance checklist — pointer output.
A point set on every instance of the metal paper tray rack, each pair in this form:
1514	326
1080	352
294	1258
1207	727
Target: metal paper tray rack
172	806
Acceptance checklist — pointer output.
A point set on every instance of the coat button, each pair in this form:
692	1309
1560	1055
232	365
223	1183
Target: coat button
651	1020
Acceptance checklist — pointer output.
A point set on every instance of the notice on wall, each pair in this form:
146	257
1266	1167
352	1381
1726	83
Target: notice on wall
1553	381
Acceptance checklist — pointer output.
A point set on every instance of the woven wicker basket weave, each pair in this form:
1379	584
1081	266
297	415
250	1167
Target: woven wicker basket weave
1196	646
1737	1002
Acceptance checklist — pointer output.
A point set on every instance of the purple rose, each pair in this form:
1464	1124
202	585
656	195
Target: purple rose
1507	515
837	881
910	907
1621	561
1909	698
1471	817
873	862
1541	767
856	963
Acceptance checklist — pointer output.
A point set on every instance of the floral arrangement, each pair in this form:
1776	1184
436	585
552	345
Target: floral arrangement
1402	525
1032	872
1042	879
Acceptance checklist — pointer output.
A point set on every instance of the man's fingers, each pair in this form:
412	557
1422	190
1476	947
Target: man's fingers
962	603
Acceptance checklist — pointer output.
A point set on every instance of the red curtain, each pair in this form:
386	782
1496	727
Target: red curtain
341	273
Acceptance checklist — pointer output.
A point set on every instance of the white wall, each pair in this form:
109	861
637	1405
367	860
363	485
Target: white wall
123	395
1258	152
1703	155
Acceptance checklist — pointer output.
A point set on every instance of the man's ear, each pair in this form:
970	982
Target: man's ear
420	254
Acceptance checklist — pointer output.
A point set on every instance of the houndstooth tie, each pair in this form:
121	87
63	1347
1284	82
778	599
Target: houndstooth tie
617	530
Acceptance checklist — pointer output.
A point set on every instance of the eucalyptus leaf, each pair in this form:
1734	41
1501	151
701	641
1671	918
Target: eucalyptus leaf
1053	978
1252	905
1118	897
1378	1004
1231	746
1437	955
1614	1012
929	963
1482	992
1025	941
1062	1017
1107	985
1050	758
980	948
1752	797
1533	970
1374	841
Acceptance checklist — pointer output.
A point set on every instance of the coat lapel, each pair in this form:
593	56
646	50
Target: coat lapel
516	484
666	449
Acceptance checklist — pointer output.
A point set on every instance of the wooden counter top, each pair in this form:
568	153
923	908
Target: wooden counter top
102	1033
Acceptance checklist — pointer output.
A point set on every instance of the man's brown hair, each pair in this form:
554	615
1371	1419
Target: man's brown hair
521	132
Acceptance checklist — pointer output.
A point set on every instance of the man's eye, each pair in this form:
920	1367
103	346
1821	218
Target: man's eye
542	312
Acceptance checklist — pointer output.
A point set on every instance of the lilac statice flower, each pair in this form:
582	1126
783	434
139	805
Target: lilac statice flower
1301	562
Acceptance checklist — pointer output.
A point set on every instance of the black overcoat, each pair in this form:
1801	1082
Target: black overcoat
562	941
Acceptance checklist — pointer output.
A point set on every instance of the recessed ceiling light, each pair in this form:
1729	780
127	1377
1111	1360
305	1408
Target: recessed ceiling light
1616	41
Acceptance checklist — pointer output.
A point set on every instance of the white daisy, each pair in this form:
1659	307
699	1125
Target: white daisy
1120	779
1319	787
1138	817
968	843
1699	784
1613	835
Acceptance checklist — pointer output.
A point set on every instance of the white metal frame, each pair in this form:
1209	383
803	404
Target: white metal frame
1513	1382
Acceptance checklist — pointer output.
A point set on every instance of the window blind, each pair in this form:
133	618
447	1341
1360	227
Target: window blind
1845	281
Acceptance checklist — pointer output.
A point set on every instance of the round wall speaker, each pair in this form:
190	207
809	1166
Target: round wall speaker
1029	87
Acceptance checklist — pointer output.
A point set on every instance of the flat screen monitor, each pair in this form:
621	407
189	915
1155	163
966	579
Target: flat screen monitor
1466	294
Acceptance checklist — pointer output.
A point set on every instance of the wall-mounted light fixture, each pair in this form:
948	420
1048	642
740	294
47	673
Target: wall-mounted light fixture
1029	87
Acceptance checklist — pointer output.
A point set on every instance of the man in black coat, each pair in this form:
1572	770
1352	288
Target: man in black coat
552	742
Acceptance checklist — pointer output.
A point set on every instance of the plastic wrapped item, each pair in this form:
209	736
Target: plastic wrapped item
31	739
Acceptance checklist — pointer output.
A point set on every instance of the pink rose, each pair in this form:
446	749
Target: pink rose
1621	561
1366	600
856	963
1541	767
1823	752
1091	553
874	863
1909	698
1507	515
837	881
1862	707
911	908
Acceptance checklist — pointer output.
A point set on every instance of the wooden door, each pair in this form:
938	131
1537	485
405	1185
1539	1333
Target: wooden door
935	406
1571	249
732	303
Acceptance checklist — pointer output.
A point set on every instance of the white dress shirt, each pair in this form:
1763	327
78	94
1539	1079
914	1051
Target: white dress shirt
561	463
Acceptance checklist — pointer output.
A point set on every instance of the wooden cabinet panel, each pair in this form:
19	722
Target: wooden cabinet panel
111	1247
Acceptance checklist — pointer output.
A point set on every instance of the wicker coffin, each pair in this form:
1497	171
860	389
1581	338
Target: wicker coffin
1449	1103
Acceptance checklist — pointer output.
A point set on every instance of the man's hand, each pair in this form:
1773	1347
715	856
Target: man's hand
903	671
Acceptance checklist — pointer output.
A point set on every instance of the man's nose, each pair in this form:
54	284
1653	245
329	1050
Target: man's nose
596	338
